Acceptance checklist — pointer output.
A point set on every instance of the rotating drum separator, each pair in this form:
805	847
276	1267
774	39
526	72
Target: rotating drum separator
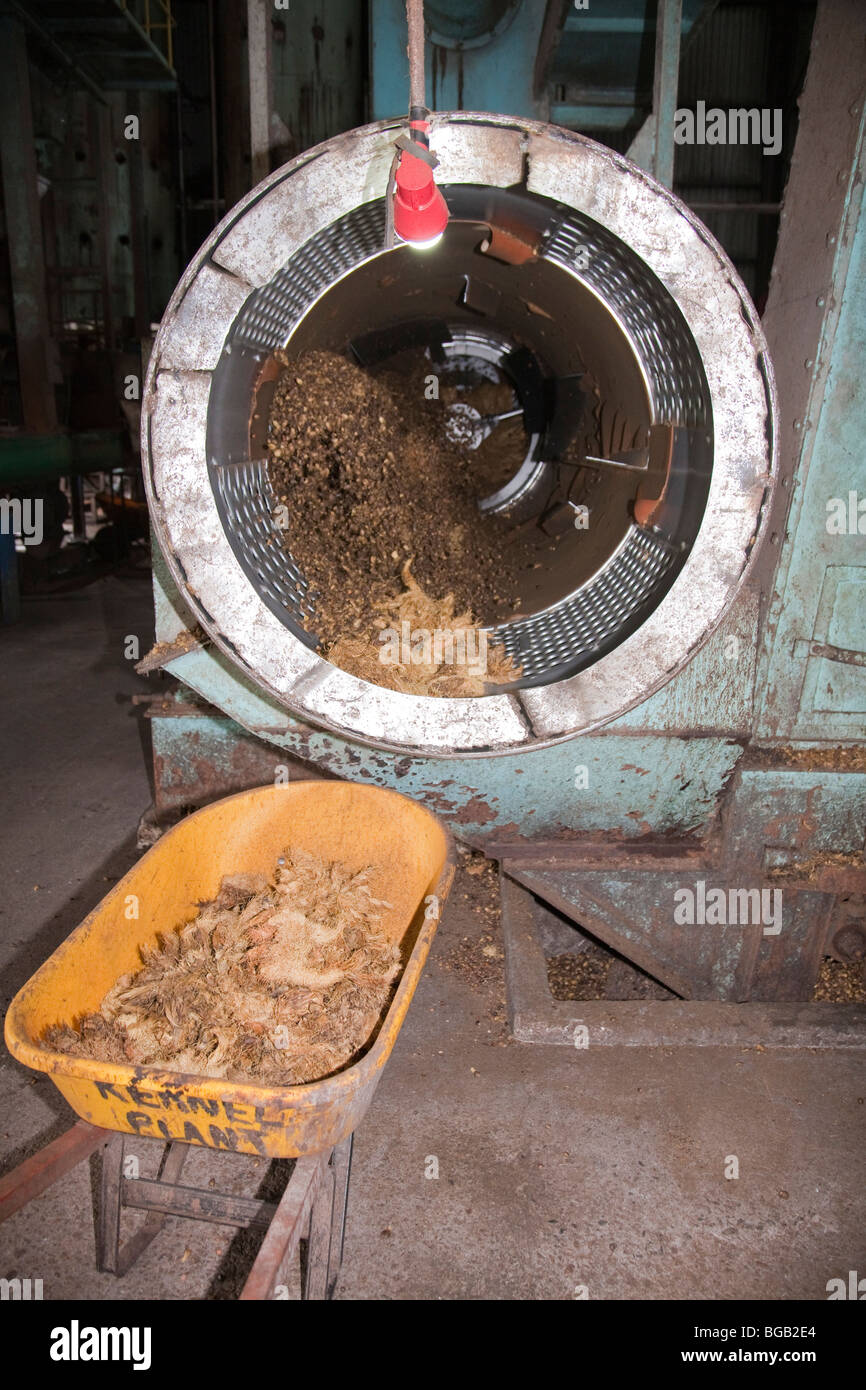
613	281
614	764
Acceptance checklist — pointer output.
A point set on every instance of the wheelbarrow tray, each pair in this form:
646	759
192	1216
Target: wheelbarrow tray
411	857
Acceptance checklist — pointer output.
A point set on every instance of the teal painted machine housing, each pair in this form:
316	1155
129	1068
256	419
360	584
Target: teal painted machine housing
813	676
481	56
644	774
787	666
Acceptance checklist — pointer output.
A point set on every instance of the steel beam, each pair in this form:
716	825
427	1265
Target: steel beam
261	87
814	321
24	234
653	146
667	71
58	50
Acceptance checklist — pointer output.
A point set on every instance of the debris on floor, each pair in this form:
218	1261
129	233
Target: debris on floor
585	969
579	975
476	960
281	982
841	982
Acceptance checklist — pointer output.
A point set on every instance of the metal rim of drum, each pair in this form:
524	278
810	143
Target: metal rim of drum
251	245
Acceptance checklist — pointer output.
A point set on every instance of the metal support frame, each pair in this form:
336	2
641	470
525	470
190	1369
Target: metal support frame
665	81
536	1017
59	51
151	26
198	755
139	218
312	1208
98	48
653	146
261	87
24	234
50	1163
810	672
233	109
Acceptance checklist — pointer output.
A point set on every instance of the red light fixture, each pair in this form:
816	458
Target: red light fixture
420	210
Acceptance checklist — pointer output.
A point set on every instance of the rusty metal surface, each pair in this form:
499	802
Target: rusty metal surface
633	914
195	1203
341	1160
317	1274
107	1222
607	852
814	324
286	1229
779	818
37	1173
200	755
535	1016
315	1196
624	786
170	1171
315	1193
786	966
795	832
846	934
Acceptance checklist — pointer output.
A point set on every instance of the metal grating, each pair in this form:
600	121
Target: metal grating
249	499
270	315
652	321
574	631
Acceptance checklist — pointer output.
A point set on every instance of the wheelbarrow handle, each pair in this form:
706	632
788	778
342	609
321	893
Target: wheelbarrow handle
42	1169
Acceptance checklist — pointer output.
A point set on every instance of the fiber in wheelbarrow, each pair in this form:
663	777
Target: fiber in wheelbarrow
410	860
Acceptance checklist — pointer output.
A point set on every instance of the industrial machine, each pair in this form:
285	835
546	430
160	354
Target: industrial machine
691	694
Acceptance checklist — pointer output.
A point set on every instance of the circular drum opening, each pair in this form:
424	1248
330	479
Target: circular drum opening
611	478
617	342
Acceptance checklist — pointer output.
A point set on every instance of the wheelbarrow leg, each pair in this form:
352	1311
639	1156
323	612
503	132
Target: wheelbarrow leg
328	1226
111	1257
317	1274
341	1161
169	1172
108	1213
286	1229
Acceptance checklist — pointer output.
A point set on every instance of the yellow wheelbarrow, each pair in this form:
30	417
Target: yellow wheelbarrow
411	859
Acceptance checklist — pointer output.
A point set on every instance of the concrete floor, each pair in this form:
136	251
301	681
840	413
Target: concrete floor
561	1173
